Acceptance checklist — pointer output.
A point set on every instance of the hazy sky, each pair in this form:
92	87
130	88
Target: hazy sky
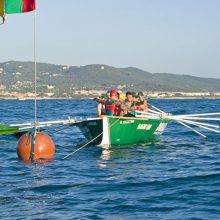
174	36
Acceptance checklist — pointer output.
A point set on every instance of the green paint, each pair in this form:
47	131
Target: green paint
91	129
132	131
13	6
122	131
4	129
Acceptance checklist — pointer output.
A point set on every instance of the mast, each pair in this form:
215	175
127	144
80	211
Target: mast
35	69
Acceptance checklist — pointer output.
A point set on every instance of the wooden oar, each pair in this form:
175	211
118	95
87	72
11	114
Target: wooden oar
185	121
202	114
196	118
194	130
195	124
154	107
202	123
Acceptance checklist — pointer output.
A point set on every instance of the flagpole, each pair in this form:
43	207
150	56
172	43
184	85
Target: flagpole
35	70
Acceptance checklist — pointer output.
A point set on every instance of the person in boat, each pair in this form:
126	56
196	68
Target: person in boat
112	105
134	95
122	97
101	107
142	102
128	106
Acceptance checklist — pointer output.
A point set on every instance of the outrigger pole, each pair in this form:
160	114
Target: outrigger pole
14	128
185	120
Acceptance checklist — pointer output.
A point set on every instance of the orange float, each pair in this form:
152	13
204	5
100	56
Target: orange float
42	150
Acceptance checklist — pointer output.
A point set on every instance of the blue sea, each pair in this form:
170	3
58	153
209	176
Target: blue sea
177	177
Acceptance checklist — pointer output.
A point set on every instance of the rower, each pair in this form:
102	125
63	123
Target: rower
111	104
142	102
101	107
128	105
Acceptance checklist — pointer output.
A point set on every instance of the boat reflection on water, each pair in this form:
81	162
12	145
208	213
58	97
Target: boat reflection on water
110	156
110	153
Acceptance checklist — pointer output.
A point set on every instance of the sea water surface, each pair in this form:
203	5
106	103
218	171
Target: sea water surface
178	177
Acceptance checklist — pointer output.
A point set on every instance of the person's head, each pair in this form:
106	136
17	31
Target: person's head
114	94
103	96
133	94
135	98
122	97
140	94
129	96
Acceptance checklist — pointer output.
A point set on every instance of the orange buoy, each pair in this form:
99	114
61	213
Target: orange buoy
42	149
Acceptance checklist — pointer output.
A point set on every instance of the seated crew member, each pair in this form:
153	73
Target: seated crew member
122	97
142	102
128	106
101	107
135	98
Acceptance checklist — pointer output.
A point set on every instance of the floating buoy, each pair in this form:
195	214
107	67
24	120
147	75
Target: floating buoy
42	149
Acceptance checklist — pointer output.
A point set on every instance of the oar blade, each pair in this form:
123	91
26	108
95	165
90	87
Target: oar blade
6	130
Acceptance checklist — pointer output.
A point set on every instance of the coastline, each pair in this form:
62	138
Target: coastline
91	97
92	93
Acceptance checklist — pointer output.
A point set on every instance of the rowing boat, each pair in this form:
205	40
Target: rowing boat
114	130
109	131
105	131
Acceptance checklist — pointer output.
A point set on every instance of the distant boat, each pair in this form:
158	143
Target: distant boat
21	98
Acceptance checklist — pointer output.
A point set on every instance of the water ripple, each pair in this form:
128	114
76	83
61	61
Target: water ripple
177	177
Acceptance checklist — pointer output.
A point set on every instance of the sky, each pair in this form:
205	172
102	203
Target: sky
159	36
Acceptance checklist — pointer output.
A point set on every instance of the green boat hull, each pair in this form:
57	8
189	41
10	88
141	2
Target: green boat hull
110	131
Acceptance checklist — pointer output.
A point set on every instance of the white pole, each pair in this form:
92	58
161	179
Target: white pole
197	132
35	69
201	126
57	122
203	114
155	112
156	108
147	113
196	118
200	123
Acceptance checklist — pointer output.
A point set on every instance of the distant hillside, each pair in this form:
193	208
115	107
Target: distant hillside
19	76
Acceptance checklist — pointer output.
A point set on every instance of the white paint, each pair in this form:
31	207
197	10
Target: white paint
106	133
160	128
144	127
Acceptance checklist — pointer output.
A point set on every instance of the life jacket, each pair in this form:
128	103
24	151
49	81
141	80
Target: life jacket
110	108
129	108
135	108
116	110
132	108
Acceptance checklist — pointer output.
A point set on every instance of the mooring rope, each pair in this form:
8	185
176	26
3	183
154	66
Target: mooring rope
89	141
